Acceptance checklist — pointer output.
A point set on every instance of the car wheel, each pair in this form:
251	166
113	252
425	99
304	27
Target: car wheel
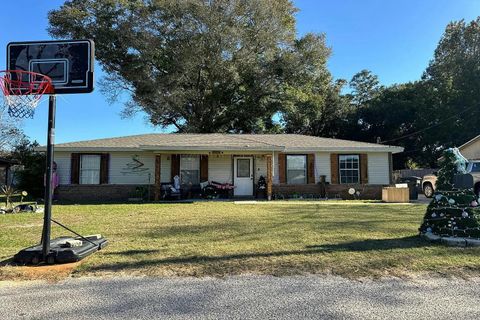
428	190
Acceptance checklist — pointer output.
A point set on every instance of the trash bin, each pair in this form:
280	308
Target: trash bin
412	186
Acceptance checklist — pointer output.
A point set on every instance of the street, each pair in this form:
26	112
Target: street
242	297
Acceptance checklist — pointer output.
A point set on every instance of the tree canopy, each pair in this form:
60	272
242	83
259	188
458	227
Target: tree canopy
202	66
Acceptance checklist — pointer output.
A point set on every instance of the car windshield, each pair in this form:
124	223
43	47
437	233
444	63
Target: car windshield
475	167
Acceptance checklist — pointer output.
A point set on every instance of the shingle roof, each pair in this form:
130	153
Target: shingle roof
217	141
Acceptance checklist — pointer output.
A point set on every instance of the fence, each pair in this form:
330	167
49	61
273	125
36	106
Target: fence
412	172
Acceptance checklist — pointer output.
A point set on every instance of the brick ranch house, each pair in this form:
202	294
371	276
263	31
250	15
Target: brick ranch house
111	169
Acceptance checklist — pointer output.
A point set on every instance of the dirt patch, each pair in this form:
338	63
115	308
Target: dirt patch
43	272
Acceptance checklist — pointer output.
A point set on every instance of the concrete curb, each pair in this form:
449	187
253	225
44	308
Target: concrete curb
451	241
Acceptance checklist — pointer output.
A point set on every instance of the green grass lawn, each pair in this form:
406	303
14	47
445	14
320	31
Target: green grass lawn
223	238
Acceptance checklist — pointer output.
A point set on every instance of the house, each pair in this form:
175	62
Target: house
5	171
471	149
111	169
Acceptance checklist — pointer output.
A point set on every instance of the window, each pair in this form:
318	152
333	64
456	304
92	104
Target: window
243	168
296	169
475	167
349	168
190	169
89	169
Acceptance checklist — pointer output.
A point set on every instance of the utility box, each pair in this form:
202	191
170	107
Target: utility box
393	194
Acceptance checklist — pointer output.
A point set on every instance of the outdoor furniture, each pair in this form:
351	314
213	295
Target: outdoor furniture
170	193
225	190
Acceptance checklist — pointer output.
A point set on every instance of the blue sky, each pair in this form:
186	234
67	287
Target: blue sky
393	39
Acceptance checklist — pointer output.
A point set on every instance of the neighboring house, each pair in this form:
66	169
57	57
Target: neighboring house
471	149
5	171
109	169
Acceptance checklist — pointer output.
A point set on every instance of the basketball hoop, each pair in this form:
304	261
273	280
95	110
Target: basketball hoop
22	91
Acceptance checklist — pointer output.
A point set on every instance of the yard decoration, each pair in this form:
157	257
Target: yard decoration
8	192
452	212
451	163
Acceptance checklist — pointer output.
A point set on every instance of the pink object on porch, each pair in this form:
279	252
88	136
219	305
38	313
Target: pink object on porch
223	186
55	177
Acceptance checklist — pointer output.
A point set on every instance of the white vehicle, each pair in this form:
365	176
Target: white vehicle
429	181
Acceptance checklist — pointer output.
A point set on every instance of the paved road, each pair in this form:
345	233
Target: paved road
245	297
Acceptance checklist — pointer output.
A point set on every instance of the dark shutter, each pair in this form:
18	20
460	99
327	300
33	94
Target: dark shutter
364	168
311	168
334	168
282	168
158	186
75	168
203	168
104	162
175	166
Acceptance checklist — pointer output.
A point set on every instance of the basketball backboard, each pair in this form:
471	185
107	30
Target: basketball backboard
69	63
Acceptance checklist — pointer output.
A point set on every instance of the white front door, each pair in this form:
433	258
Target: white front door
243	176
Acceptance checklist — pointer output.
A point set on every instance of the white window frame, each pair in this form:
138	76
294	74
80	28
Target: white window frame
189	169
305	170
95	172
346	168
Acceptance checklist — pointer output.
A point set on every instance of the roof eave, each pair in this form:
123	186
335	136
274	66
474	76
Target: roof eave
391	149
209	148
88	149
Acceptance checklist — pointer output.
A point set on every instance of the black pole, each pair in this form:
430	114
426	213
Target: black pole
49	177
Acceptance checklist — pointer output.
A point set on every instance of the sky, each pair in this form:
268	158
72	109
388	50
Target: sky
394	39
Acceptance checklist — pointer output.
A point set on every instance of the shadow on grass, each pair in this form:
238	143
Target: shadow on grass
132	252
7	262
374	244
365	245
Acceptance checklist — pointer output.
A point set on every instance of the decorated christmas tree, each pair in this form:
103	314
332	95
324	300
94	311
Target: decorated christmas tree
452	212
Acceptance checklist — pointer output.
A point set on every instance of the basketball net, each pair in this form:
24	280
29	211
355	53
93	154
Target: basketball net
22	91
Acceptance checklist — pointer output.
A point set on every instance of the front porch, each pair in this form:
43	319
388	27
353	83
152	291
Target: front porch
230	174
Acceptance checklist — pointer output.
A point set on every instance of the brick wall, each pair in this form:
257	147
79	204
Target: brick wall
367	191
118	192
96	193
373	192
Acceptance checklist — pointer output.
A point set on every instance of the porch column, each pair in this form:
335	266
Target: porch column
269	177
158	186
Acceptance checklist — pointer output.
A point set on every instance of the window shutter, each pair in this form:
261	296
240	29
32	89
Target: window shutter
203	168
282	168
104	162
158	185
311	168
75	168
175	166
334	168
364	168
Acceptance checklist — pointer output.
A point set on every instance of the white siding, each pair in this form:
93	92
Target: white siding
63	166
121	169
260	167
378	168
220	168
472	150
322	166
